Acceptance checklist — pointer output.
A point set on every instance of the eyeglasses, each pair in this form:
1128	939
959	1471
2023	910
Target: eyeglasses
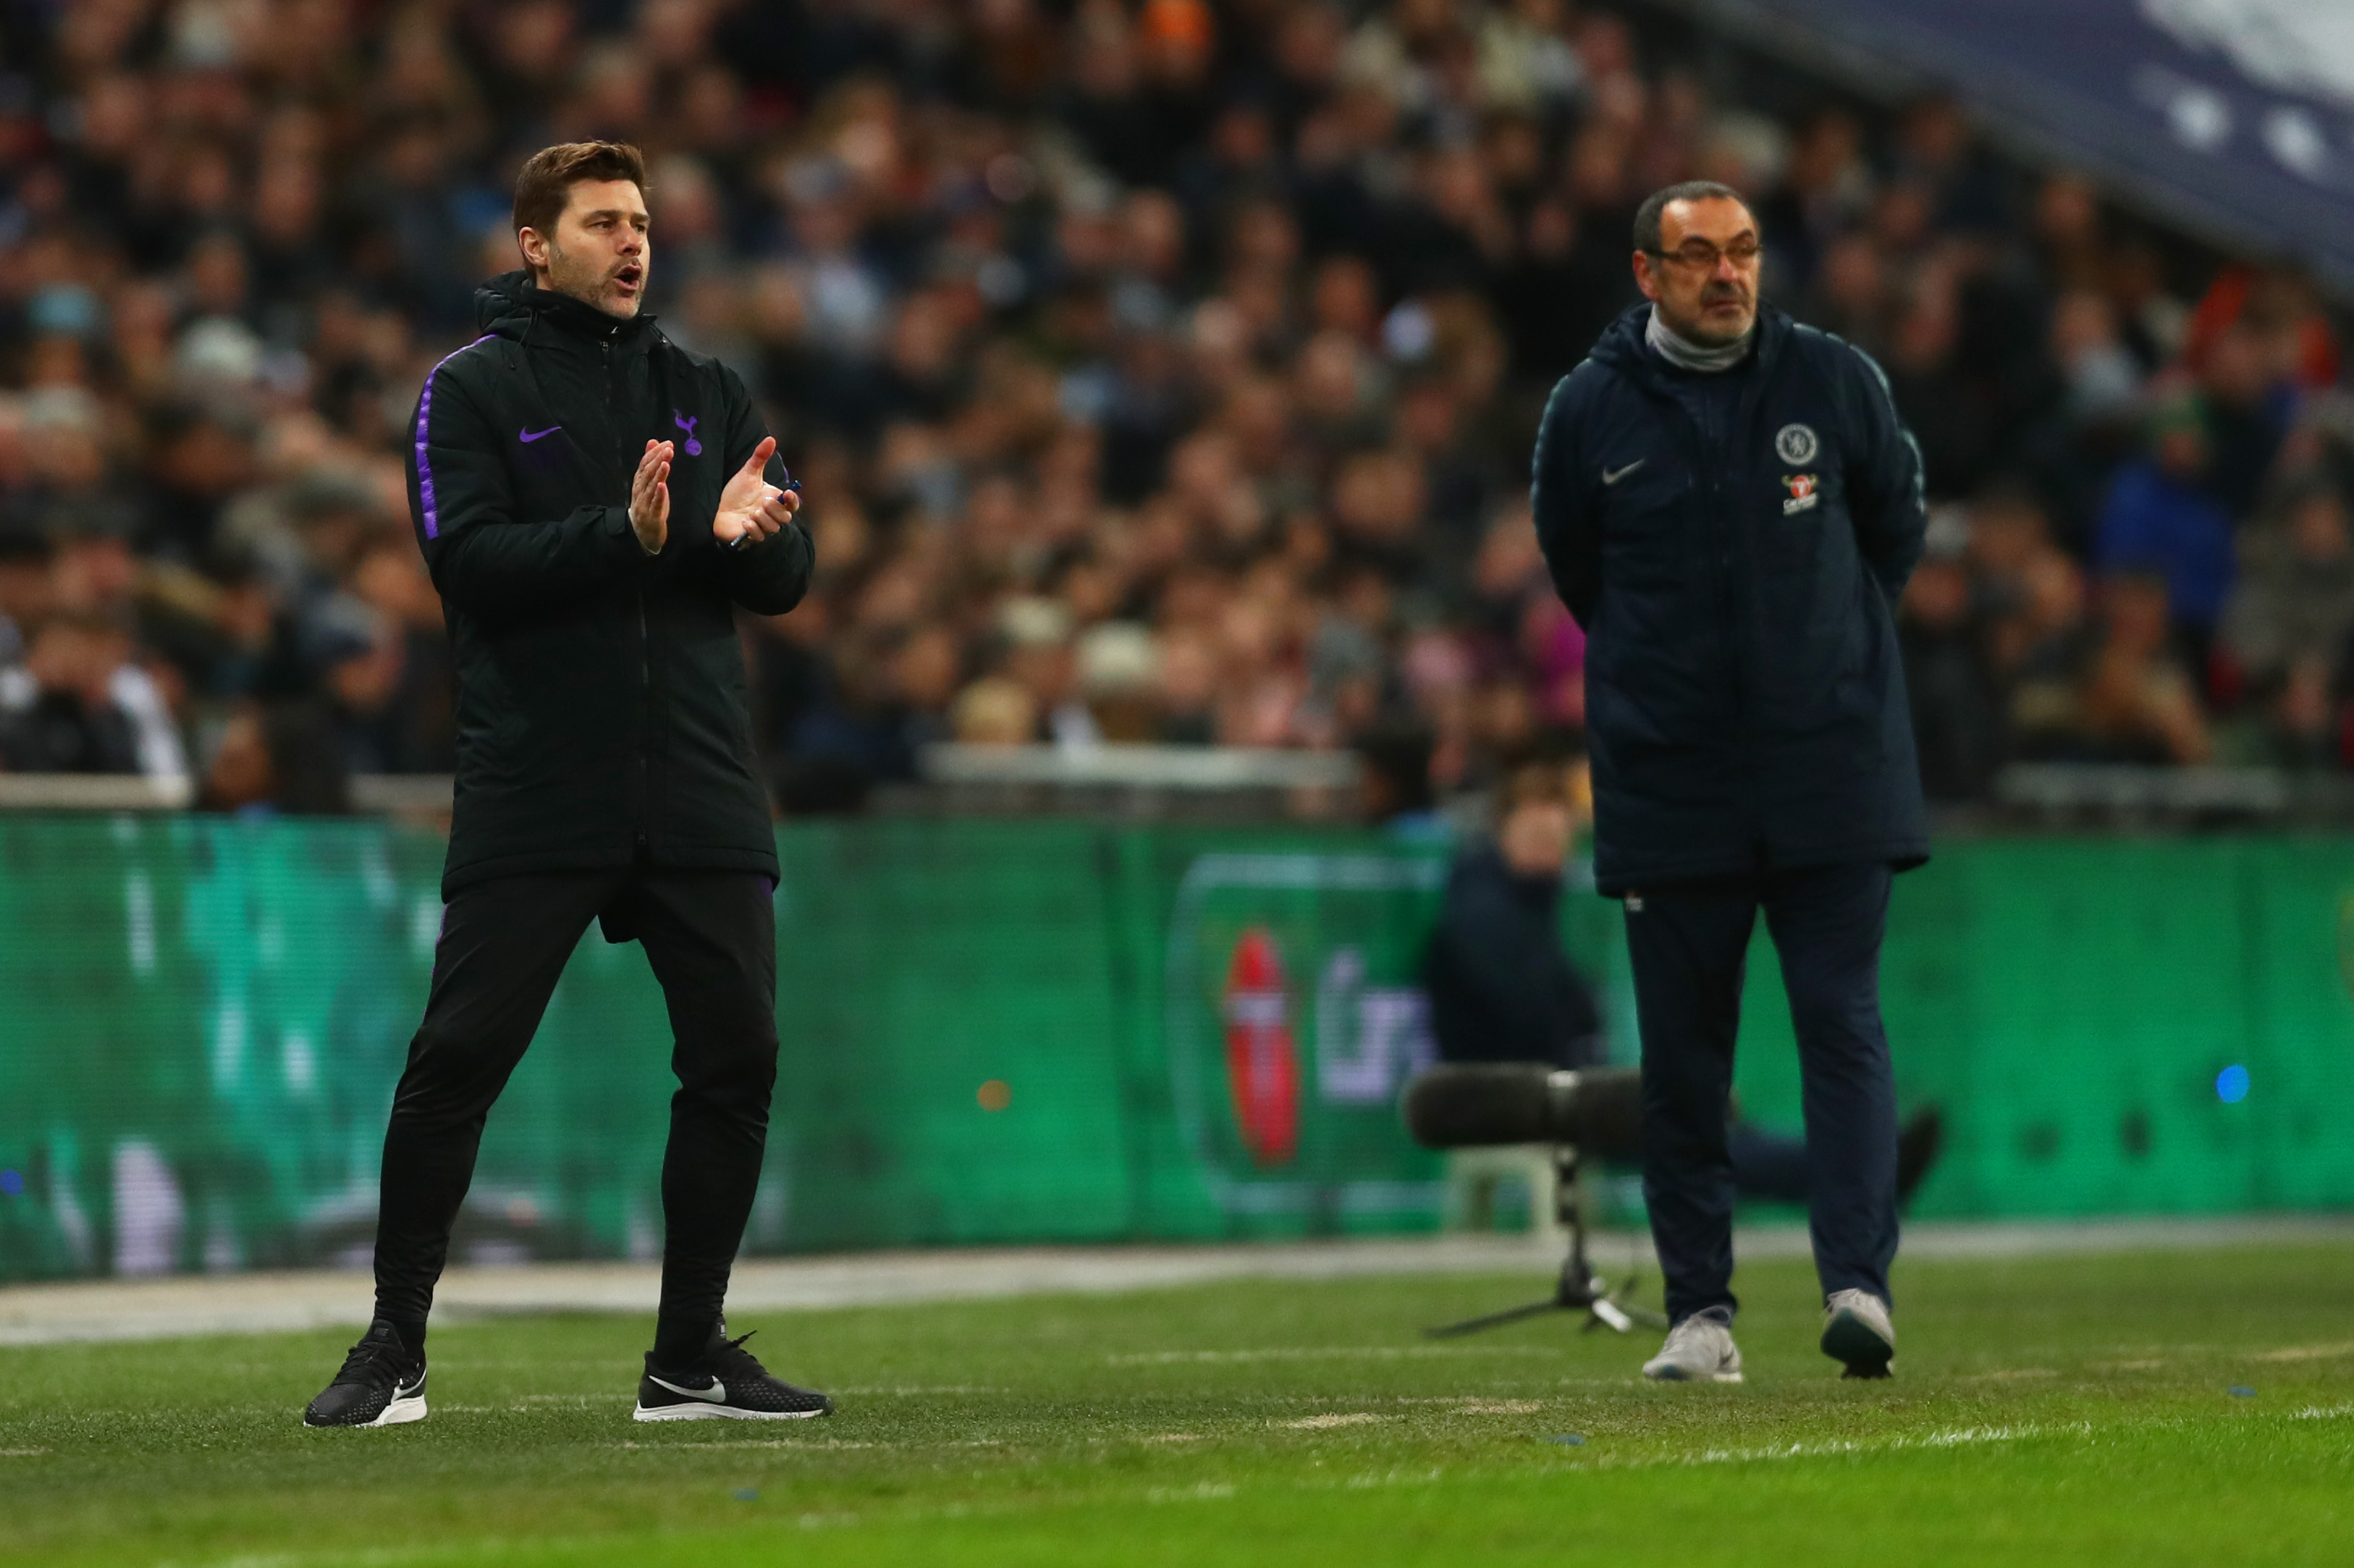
1702	256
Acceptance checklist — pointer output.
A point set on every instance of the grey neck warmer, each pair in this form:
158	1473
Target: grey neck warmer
1686	355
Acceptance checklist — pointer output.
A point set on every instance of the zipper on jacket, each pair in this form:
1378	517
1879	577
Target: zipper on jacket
613	404
642	761
646	723
1728	552
646	726
1723	545
1750	612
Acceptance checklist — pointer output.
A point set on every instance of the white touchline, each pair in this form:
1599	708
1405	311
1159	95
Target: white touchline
1319	1353
1956	1438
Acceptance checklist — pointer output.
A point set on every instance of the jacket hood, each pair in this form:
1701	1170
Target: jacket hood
1622	346
507	305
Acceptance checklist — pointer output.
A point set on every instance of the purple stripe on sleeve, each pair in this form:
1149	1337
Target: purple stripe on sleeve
425	464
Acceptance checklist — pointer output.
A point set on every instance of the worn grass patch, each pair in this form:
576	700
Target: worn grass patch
2147	1410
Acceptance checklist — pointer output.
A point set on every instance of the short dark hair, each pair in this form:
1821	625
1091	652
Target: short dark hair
1393	758
1647	216
549	175
1541	768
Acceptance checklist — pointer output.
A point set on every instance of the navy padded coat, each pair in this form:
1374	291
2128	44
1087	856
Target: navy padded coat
1745	702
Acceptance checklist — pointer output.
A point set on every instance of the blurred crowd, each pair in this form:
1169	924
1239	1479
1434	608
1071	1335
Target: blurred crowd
1156	370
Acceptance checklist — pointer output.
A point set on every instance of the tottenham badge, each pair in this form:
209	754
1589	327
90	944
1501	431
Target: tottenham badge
1795	444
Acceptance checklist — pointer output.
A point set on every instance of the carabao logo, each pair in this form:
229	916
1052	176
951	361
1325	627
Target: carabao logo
1262	1061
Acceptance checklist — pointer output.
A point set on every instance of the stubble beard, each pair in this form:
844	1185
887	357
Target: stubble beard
1702	329
587	282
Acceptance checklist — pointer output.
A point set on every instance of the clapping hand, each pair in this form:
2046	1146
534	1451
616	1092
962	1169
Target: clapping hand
649	497
751	508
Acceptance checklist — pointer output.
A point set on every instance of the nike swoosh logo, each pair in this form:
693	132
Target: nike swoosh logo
535	435
715	1395
1610	476
408	1392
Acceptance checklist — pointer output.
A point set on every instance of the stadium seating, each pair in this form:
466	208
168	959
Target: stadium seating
1161	372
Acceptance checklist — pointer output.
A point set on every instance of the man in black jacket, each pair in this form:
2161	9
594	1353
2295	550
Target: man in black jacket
594	503
1731	506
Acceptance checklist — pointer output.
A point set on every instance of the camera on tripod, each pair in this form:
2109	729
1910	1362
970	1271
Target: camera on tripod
1595	1111
1477	1105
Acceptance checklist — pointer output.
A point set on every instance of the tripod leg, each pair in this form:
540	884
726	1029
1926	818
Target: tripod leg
1569	1211
1573	1292
1494	1320
1609	1314
1579	1287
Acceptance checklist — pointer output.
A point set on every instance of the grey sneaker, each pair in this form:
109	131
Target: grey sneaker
1856	1330
1698	1350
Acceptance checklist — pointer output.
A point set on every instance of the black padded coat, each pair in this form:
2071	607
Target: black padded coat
602	718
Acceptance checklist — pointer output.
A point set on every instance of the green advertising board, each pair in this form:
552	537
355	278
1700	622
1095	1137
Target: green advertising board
1291	1019
1086	969
1040	1031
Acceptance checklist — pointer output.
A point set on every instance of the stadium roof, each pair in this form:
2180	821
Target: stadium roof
2234	118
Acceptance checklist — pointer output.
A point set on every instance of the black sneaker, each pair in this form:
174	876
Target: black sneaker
727	1382
381	1384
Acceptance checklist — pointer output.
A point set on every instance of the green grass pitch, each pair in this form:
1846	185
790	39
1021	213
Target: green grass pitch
2192	1408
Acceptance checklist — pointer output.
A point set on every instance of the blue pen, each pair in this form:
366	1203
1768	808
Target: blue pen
743	539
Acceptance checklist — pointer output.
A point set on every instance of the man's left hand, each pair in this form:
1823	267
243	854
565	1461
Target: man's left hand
751	508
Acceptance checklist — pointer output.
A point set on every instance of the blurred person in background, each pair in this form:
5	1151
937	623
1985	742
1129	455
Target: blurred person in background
2285	626
1501	987
28	566
1393	785
2164	518
1731	506
2037	648
279	758
58	712
595	505
995	710
1957	711
1358	244
879	702
2130	699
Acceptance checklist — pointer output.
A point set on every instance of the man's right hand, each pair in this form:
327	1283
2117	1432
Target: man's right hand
650	498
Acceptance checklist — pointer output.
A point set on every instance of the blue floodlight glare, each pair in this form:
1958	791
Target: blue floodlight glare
2232	1085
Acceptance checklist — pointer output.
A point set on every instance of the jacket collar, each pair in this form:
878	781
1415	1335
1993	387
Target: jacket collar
511	305
1622	347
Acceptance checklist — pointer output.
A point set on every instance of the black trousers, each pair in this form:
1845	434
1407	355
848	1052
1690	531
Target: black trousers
1688	942
711	938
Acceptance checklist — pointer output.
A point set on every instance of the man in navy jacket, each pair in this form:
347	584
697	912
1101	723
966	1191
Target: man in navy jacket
1729	506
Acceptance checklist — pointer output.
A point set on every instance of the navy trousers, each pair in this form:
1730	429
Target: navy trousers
1688	942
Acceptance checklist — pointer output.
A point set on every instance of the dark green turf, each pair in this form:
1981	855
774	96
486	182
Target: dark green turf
2052	1411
